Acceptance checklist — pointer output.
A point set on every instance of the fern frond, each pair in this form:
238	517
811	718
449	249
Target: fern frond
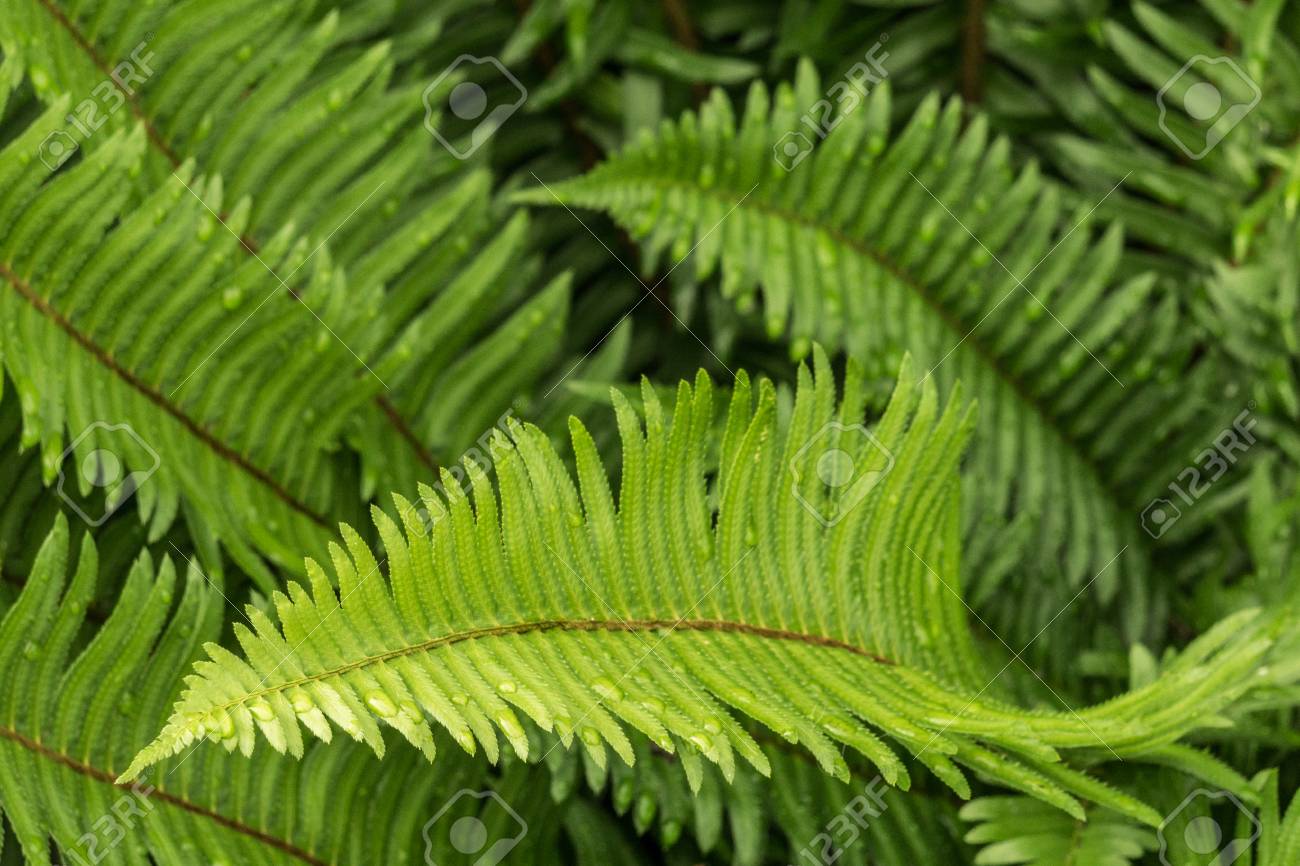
107	315
864	245
1018	830
231	420
665	616
73	713
312	138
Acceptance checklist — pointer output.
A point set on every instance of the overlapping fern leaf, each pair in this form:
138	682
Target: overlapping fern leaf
882	241
1017	830
252	467
255	468
78	702
316	139
689	610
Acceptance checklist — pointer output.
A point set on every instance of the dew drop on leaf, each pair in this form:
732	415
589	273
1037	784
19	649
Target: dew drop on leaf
381	704
509	724
607	689
261	711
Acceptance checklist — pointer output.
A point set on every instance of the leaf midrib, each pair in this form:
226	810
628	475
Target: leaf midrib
731	197
588	625
247	243
109	778
156	397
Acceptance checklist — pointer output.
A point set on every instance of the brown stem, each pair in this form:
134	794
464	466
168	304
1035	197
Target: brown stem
162	796
620	625
679	21
156	397
247	242
973	50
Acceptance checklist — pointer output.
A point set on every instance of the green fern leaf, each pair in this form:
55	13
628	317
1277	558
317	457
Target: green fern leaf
882	241
1017	830
659	614
74	712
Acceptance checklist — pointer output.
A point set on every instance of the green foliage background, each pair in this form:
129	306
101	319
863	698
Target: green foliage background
499	473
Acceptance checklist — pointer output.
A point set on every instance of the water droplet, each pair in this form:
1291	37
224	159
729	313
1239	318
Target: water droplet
702	742
506	687
645	811
466	741
590	736
624	791
381	704
509	724
261	710
31	651
713	726
703	550
460	699
607	689
837	728
231	297
301	703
